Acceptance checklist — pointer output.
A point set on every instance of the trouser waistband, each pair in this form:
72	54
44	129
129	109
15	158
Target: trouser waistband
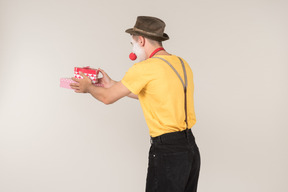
172	136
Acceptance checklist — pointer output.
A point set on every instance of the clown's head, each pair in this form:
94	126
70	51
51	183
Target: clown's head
141	47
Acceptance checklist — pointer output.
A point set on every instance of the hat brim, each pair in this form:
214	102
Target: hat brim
149	36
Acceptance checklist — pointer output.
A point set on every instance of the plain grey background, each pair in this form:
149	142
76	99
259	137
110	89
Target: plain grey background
55	140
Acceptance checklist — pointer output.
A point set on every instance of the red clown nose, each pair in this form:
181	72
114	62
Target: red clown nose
132	56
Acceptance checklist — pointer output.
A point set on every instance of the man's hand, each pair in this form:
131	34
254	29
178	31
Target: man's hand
105	81
82	85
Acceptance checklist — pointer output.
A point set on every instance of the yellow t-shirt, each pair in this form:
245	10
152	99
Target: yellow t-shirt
161	93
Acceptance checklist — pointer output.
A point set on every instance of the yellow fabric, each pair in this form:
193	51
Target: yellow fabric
161	93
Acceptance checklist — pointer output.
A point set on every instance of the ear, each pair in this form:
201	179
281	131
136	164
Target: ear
141	41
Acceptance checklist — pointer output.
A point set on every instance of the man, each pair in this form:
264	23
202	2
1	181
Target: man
163	83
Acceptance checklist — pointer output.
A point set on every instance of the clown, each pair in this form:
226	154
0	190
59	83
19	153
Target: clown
163	84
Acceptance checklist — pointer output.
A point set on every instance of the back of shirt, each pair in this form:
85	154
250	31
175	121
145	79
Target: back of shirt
161	93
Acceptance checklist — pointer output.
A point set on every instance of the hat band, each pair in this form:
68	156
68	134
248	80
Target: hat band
146	32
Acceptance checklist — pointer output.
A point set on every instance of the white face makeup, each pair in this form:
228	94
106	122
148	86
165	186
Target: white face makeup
138	50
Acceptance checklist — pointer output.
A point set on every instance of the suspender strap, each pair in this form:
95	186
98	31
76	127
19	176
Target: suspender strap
184	84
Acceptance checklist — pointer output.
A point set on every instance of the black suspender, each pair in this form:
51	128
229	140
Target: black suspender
184	84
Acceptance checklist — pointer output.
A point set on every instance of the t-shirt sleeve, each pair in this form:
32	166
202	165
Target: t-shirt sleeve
136	78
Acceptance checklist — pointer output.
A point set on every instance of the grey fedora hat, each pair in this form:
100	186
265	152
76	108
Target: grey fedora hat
150	27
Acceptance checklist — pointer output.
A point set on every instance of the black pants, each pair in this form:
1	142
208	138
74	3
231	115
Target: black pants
174	163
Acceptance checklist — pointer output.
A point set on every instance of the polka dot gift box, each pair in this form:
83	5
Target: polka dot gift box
65	82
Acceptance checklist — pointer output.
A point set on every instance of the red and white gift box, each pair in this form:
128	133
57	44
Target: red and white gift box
90	72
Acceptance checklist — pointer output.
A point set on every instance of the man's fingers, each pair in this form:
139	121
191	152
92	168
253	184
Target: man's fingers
74	85
75	79
103	72
82	74
100	80
77	91
99	85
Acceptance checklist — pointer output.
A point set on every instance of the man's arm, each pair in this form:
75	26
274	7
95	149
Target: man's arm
108	82
109	95
131	95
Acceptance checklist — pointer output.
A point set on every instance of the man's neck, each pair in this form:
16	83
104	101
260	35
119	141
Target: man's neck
152	49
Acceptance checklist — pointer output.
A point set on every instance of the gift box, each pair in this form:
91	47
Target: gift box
90	72
65	82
